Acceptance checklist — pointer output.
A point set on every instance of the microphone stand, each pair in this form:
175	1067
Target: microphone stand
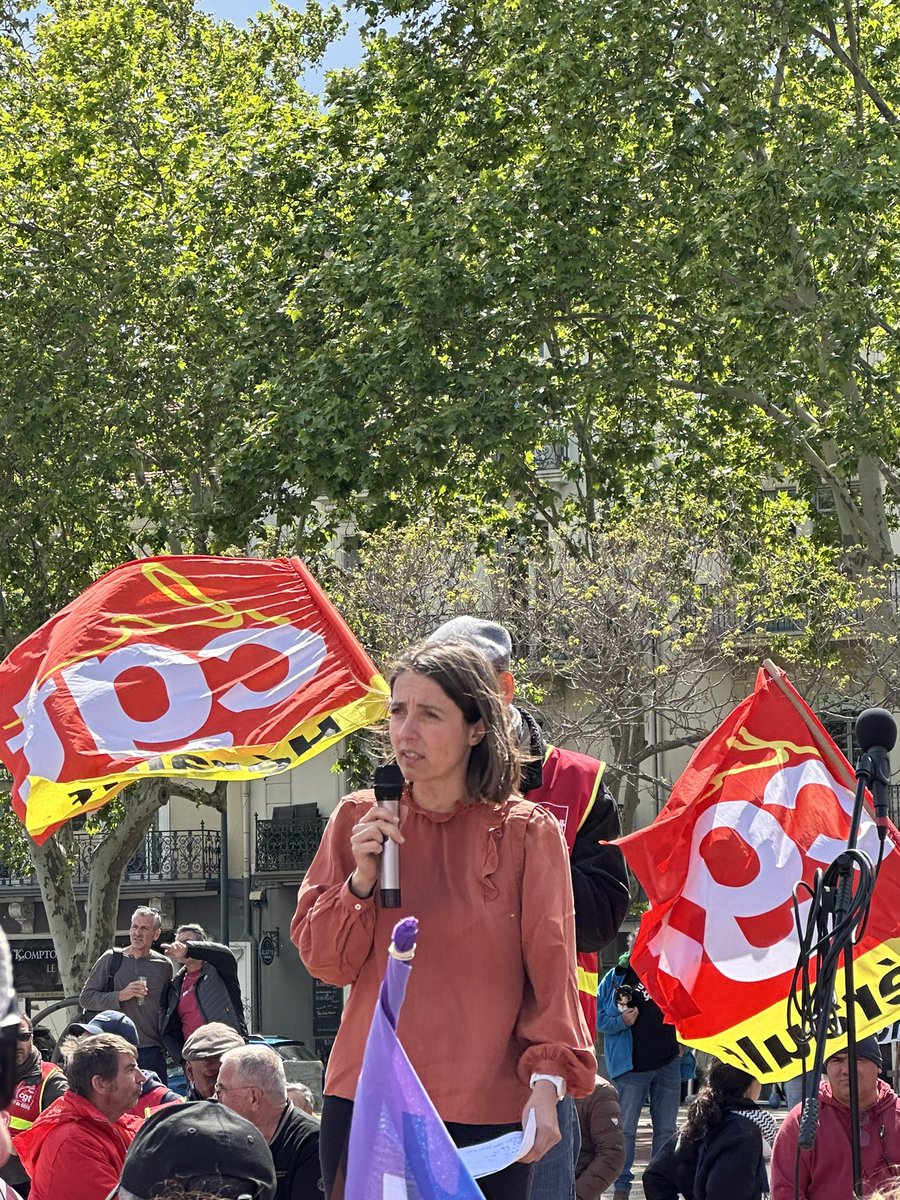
840	902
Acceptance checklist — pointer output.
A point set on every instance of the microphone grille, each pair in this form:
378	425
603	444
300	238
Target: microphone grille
876	727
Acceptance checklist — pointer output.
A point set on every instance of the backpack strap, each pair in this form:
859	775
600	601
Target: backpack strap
115	961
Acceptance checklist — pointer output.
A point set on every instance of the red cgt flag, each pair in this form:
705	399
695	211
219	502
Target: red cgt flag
215	668
763	803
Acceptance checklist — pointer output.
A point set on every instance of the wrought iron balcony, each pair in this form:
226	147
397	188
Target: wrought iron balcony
288	842
176	856
894	803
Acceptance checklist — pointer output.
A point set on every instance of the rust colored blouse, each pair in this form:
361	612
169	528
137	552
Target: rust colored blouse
492	994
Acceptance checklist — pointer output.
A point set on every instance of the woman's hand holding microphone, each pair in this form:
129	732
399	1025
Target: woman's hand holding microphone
367	844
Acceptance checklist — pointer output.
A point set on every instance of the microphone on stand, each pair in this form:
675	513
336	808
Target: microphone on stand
876	732
389	784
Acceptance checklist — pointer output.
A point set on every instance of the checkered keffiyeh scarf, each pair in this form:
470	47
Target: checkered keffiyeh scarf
768	1126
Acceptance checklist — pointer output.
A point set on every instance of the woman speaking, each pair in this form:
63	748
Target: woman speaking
491	1020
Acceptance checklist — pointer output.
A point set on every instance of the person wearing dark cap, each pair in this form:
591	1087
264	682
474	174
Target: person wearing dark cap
570	786
202	1055
153	1091
205	1148
825	1172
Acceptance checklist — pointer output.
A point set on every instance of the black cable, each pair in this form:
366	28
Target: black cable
841	894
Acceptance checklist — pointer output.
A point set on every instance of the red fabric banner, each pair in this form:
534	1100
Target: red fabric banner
216	668
757	809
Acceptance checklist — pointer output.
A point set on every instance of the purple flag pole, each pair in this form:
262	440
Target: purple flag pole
399	1147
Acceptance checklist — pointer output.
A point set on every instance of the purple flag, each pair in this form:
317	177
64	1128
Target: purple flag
399	1147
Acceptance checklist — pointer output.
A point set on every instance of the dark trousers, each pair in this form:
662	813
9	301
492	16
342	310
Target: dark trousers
334	1135
153	1058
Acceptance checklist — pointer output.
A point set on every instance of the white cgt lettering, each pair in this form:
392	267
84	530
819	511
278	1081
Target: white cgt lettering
92	681
38	740
92	685
780	868
303	649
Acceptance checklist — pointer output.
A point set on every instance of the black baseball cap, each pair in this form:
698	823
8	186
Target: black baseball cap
203	1146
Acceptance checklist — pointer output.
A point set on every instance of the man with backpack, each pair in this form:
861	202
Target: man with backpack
134	981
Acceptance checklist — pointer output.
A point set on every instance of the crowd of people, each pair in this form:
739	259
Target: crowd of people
82	1130
100	1121
505	860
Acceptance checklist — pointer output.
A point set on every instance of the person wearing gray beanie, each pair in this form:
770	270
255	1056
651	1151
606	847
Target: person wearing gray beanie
571	787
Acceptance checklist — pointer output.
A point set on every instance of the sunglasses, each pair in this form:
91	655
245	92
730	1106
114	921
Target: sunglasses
25	1037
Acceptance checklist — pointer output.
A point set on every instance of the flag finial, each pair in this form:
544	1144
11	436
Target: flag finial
403	939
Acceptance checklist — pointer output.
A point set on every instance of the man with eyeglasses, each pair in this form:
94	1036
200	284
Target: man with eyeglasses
197	1152
38	1084
252	1083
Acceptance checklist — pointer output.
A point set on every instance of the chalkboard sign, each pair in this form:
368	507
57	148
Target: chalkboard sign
328	1003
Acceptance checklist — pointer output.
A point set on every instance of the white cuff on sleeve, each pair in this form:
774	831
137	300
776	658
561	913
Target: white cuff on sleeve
557	1080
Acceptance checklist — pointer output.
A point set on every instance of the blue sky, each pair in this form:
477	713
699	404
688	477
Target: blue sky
343	53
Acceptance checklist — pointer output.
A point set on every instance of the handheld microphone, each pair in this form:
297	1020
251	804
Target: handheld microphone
876	732
389	784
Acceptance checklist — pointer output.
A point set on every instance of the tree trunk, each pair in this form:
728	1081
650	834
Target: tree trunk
80	940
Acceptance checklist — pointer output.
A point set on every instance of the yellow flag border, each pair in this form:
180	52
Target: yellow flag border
50	802
772	1056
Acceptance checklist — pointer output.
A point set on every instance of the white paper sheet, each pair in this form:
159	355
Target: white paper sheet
488	1157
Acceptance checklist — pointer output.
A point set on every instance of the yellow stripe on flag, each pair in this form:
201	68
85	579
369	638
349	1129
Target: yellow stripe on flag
760	1045
588	981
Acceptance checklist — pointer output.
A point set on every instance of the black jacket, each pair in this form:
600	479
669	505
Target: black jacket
599	875
727	1164
218	995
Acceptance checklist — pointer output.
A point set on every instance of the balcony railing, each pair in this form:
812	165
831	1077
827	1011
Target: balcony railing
894	803
288	842
175	856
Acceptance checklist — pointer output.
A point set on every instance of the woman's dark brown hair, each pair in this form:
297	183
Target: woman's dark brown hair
725	1088
469	680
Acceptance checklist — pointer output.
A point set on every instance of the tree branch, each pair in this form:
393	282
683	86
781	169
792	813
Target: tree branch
858	74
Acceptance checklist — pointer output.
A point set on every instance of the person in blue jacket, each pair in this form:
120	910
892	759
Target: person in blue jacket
642	1059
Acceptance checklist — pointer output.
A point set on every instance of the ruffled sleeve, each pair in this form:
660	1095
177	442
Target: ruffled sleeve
332	928
551	1024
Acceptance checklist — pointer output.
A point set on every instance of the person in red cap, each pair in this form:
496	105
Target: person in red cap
825	1172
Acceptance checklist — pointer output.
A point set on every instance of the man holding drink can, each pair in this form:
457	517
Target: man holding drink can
133	981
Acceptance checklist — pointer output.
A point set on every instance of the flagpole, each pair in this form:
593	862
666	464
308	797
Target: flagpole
840	768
